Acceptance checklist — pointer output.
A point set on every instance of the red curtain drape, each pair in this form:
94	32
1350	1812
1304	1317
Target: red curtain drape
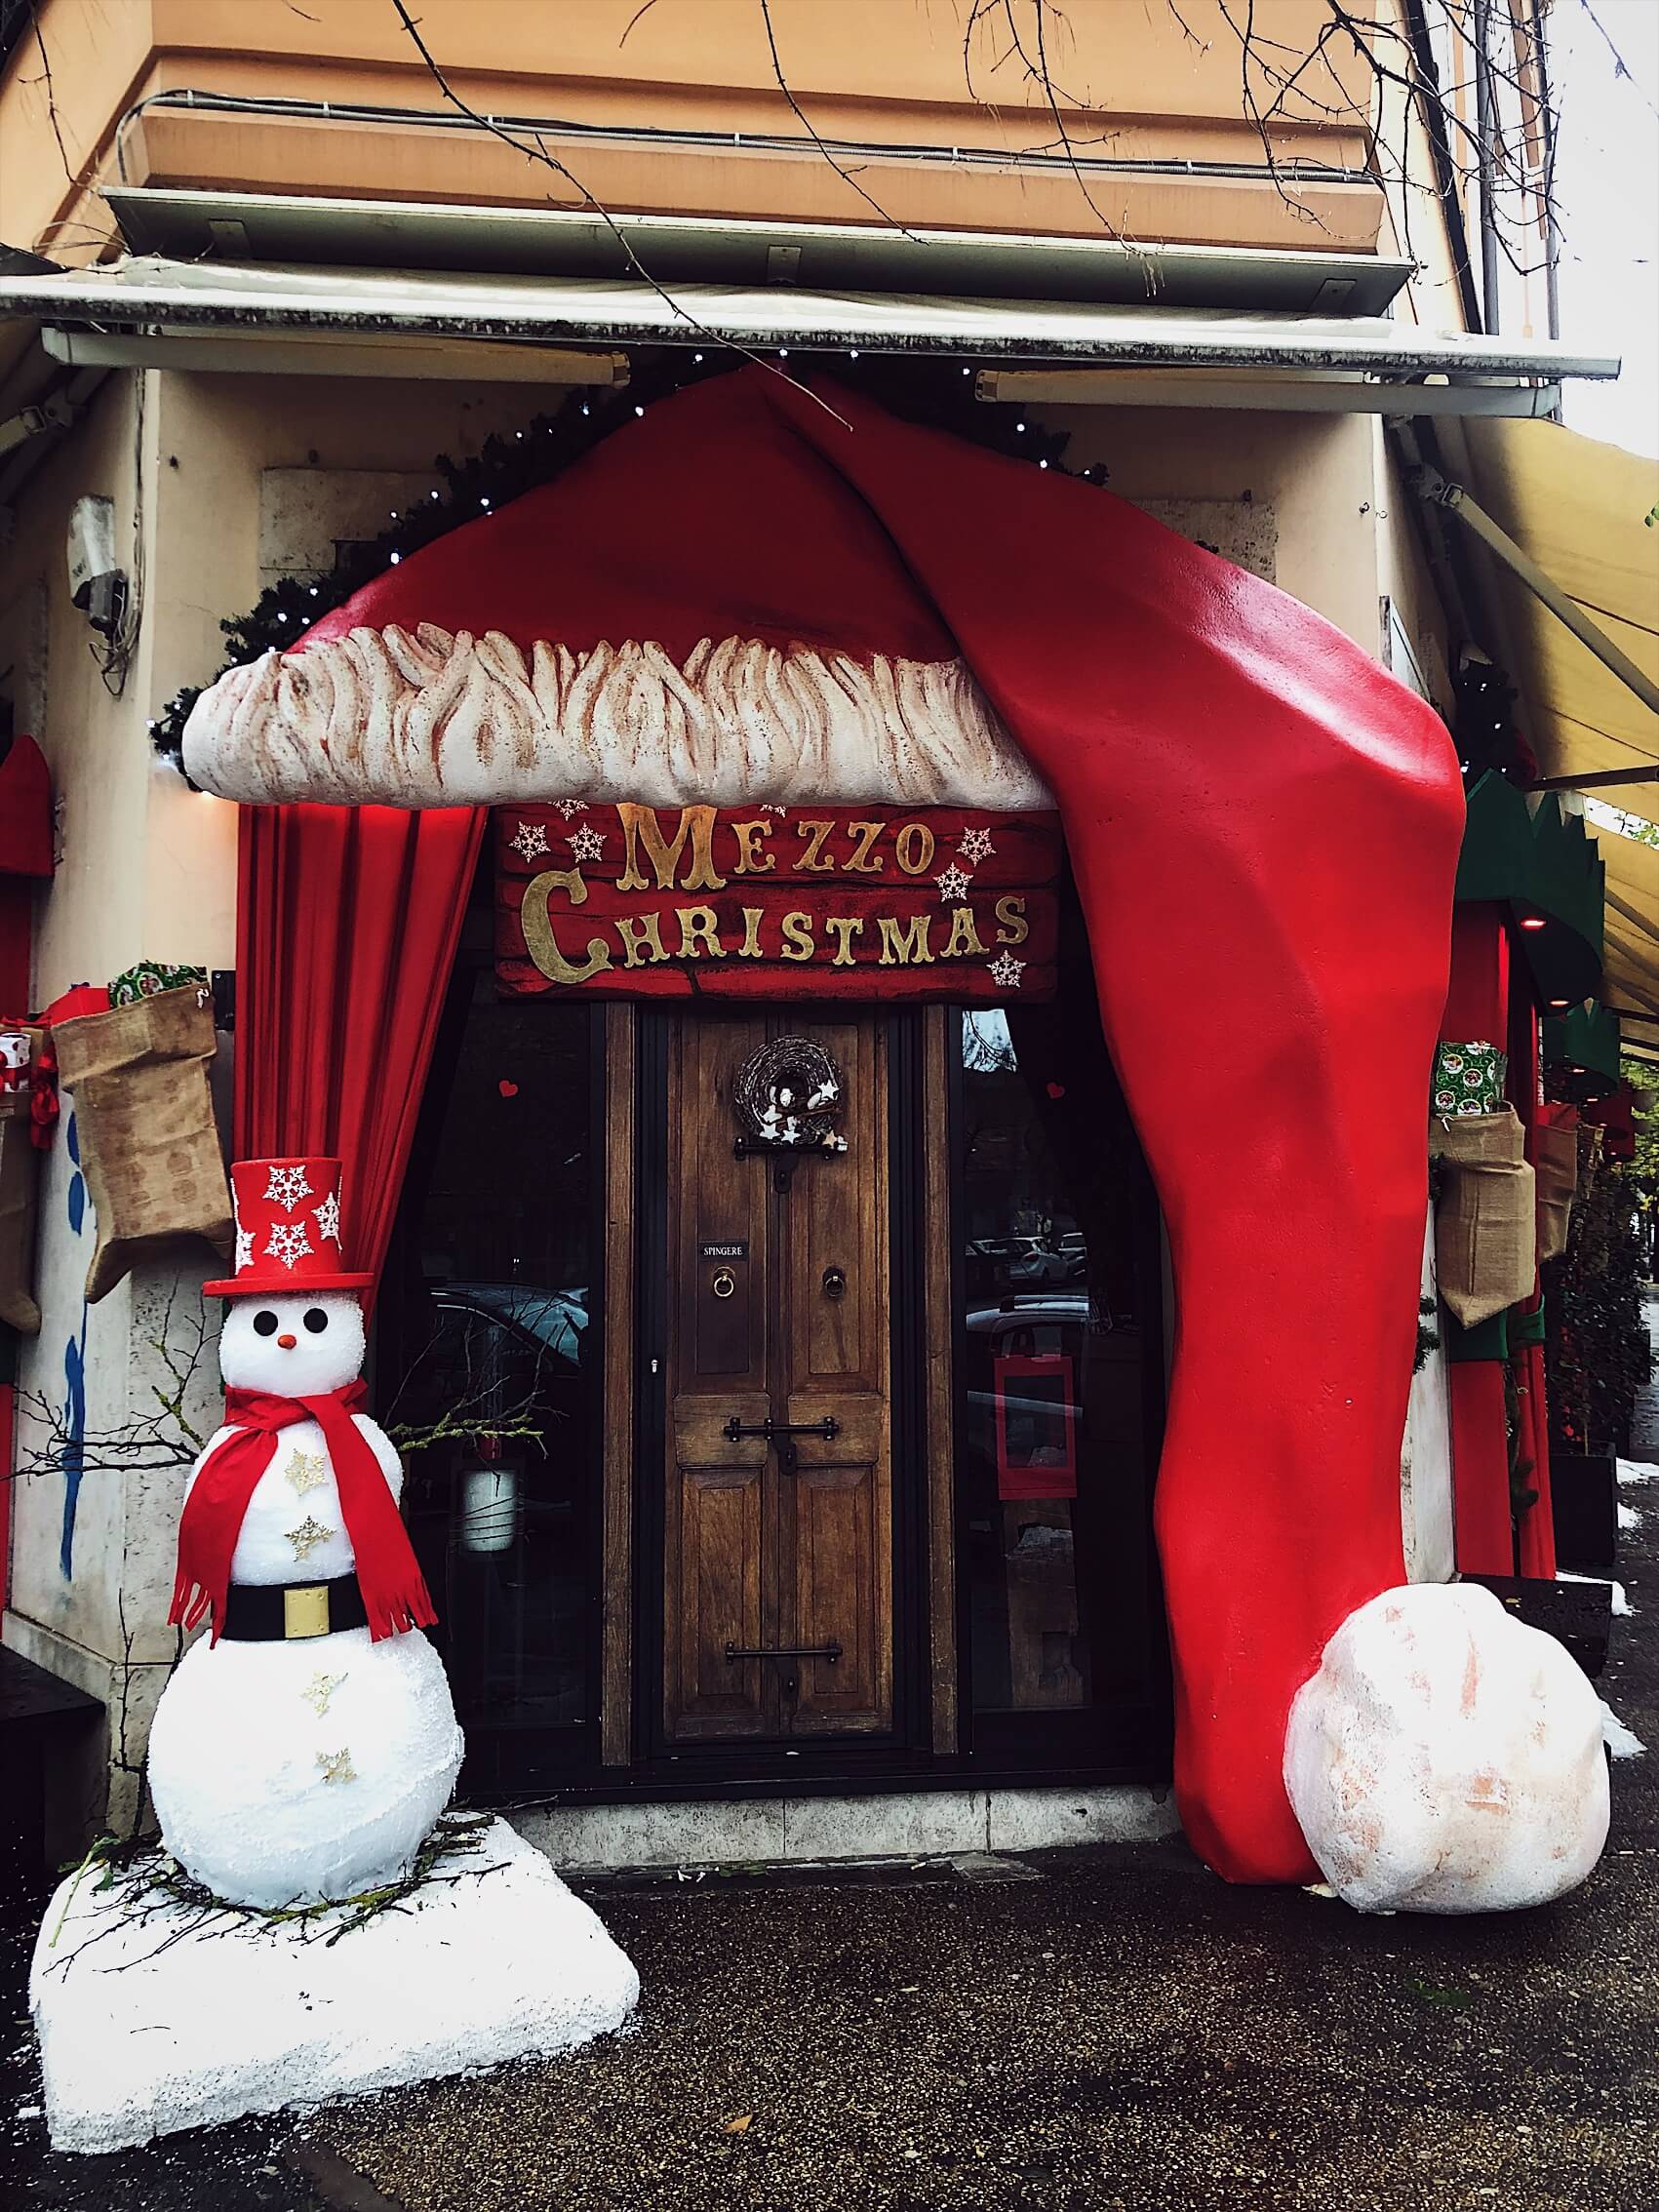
348	922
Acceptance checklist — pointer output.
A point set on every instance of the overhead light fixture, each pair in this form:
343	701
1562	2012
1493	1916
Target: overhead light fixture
1532	922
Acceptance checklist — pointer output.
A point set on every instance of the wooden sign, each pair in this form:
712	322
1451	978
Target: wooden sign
762	902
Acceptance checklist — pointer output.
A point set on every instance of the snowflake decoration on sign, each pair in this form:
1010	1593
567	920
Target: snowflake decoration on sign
1005	972
567	807
587	843
975	845
287	1187
326	1218
953	883
307	1536
288	1242
244	1250
337	1765
529	839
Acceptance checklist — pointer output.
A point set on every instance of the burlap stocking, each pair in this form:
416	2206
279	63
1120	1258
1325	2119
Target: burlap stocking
148	1145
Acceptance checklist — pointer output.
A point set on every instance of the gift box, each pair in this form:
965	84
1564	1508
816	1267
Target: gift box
1469	1078
19	1176
145	977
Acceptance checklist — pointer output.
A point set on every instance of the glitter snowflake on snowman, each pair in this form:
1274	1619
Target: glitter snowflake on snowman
304	1749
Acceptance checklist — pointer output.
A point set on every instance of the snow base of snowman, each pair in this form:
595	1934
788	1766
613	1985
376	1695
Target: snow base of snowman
156	2017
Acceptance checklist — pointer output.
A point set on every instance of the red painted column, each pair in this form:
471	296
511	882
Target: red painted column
1477	1011
1535	1531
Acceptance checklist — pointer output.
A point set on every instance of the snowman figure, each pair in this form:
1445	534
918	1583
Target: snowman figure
304	1748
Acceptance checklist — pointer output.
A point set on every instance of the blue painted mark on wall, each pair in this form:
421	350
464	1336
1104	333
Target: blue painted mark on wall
74	1369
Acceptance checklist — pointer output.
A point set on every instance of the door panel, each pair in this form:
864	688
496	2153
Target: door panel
782	1543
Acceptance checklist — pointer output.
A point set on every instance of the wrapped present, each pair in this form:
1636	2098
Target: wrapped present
145	977
1469	1078
19	1176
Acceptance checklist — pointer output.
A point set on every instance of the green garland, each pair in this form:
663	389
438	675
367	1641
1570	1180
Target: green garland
938	394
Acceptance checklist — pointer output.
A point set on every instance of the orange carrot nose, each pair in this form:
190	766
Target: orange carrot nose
288	1342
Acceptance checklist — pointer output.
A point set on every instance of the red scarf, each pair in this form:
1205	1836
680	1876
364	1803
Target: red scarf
394	1594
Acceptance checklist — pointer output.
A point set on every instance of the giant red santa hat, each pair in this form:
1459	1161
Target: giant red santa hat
753	594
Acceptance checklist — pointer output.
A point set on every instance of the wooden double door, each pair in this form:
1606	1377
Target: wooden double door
778	1552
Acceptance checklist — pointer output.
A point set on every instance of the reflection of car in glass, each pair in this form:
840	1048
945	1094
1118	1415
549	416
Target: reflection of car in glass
1037	1262
553	1319
1075	1252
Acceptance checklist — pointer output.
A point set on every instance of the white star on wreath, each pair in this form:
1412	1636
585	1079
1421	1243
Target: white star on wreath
587	843
244	1250
567	807
975	845
288	1186
529	839
288	1242
1005	972
326	1218
953	883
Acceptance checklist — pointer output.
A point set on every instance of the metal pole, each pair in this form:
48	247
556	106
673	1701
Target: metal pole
1475	518
1486	134
1552	235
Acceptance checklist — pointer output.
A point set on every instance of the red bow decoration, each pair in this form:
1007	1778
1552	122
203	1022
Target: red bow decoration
394	1591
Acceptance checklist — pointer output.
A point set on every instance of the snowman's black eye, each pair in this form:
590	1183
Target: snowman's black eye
264	1322
316	1321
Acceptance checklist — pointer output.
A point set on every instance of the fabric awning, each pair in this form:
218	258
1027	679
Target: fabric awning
1580	510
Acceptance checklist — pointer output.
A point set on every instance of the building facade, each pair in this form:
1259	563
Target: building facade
773	1504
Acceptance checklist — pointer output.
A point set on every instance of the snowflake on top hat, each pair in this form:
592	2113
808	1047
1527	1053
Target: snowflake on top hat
277	1247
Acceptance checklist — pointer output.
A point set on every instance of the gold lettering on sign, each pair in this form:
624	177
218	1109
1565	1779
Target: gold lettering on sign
696	930
1010	914
640	826
636	935
964	936
865	835
914	837
905	945
538	937
750	948
845	928
751	862
798	936
818	831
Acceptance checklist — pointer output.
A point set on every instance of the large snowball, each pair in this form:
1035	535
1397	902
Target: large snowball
268	1801
1447	1757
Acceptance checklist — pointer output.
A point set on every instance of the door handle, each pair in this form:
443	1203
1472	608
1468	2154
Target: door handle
835	1283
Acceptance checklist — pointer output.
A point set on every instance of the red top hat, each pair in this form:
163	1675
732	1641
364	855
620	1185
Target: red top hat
287	1230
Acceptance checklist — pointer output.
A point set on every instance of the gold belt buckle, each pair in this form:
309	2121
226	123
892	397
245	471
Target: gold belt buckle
306	1609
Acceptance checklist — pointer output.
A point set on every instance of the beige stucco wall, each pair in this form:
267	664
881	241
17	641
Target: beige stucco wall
148	871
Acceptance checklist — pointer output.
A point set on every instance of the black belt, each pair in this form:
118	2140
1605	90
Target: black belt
267	1612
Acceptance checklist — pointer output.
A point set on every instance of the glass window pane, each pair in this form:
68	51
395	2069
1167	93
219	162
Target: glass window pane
1060	1374
487	1378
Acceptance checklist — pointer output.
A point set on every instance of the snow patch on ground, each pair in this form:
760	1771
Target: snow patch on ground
1621	1742
155	2015
1637	1470
1629	1519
